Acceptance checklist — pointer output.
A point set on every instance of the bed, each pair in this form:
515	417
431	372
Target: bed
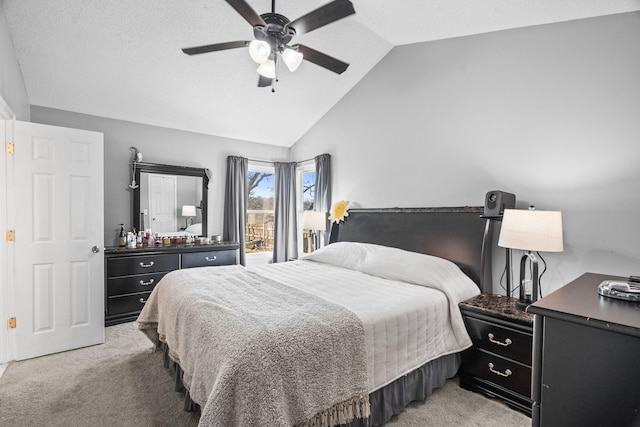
348	335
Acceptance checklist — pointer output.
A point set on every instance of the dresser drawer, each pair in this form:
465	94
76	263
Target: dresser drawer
133	284
126	304
208	259
498	370
142	264
501	340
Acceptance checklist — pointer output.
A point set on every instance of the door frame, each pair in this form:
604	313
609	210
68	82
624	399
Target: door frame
7	345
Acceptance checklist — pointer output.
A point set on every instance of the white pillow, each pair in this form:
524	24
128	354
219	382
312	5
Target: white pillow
400	265
342	254
194	229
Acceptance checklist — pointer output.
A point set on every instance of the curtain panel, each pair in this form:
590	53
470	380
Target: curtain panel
235	203
285	240
322	197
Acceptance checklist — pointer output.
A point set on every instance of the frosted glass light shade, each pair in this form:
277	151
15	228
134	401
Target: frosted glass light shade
268	69
312	220
292	59
259	51
531	230
188	210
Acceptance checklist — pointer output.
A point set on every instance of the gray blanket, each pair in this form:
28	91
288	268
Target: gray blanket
256	352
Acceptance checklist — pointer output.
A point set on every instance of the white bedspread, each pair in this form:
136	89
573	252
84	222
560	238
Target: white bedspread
410	318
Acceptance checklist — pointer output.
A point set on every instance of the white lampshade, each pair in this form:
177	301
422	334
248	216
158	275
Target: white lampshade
292	59
259	51
312	220
188	210
531	230
268	69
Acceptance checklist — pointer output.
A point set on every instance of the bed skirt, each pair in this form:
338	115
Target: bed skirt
386	402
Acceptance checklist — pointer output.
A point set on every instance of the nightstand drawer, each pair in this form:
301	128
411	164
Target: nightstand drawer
506	373
501	340
208	259
142	264
133	284
126	304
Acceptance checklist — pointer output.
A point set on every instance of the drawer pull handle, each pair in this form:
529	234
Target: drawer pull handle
506	342
506	373
142	300
210	259
143	265
143	283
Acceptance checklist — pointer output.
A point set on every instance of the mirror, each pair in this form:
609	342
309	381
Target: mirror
170	200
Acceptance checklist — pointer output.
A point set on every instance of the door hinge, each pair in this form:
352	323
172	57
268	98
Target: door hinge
12	323
11	148
11	236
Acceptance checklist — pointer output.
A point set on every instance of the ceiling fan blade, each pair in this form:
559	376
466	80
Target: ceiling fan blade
247	12
264	81
321	59
215	47
324	15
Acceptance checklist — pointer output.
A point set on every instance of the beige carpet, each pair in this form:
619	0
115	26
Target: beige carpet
123	383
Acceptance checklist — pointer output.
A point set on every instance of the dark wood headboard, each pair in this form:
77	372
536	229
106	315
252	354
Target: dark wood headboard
456	234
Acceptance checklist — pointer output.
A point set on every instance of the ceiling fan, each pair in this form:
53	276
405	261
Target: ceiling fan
273	32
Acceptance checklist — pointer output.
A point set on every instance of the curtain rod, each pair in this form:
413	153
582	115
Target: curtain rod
271	162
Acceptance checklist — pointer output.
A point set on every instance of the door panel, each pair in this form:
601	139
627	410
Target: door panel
162	203
59	280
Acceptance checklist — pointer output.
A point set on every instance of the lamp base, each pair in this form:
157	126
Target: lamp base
528	296
522	305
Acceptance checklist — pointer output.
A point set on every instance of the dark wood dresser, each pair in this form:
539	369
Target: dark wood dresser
499	363
586	364
131	274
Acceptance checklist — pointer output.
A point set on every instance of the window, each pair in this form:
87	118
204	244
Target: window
306	194
260	210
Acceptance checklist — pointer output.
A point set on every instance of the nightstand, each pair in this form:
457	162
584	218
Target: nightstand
499	363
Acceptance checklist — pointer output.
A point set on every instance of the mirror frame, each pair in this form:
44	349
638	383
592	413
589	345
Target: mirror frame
170	170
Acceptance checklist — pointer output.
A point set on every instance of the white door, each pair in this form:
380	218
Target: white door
59	239
163	209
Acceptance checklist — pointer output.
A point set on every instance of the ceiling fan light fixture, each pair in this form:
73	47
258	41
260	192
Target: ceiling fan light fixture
268	69
292	59
259	50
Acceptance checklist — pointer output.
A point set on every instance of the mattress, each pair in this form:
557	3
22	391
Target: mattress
406	325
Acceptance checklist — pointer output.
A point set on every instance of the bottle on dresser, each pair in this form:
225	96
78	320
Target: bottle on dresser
122	237
150	240
131	238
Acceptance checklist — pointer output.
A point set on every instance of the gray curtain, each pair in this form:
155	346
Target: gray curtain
235	202
322	197
285	243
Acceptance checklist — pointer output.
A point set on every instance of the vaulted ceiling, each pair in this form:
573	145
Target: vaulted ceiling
122	59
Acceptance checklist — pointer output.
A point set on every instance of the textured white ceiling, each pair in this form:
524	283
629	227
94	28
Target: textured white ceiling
122	59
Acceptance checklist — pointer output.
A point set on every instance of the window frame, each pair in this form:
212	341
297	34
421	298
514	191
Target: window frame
301	170
259	257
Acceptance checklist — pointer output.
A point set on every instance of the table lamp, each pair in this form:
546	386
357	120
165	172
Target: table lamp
188	211
314	221
531	231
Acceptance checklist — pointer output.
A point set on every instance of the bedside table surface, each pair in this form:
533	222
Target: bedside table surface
498	306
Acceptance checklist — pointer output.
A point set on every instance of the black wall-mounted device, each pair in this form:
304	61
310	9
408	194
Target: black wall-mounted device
496	201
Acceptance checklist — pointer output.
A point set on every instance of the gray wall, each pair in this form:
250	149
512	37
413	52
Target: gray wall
157	145
12	87
550	113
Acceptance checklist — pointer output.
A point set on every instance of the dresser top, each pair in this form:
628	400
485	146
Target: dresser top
497	306
579	301
175	248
